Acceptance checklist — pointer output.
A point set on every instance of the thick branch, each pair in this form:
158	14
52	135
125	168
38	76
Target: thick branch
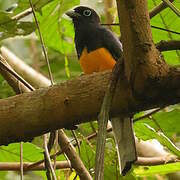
142	59
47	109
63	139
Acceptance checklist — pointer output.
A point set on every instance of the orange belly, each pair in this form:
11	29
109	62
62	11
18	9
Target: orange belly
96	61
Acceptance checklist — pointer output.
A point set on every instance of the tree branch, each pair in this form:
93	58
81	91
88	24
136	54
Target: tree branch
13	166
158	9
36	79
16	85
168	45
151	161
70	151
63	141
172	7
61	105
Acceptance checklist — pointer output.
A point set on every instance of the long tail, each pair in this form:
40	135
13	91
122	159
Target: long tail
125	143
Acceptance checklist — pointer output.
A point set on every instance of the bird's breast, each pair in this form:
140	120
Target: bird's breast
97	60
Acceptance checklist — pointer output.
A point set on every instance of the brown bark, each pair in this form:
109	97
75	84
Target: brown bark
168	45
142	60
152	161
63	139
76	162
31	114
13	166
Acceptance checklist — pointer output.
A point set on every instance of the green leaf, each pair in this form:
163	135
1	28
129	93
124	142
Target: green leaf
159	169
24	4
57	31
168	121
87	155
11	153
11	28
145	132
169	20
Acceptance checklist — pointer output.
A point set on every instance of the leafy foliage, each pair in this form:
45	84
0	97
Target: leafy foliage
58	33
10	27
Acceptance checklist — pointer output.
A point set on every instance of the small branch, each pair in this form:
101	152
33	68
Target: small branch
70	152
155	27
151	161
22	14
158	9
147	115
15	84
171	6
12	166
168	45
42	43
48	159
3	65
35	78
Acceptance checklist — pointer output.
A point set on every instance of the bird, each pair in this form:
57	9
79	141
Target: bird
98	49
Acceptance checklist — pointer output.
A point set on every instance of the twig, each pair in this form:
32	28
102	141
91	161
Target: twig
16	85
51	140
156	10
76	162
35	78
22	14
76	140
42	43
155	27
171	6
48	157
15	74
167	30
13	166
156	123
151	161
55	148
168	45
147	115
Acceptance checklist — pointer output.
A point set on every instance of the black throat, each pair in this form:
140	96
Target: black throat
86	36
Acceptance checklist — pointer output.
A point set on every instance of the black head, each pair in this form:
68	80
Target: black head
83	15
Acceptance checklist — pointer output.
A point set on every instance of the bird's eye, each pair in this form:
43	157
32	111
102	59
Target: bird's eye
87	12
